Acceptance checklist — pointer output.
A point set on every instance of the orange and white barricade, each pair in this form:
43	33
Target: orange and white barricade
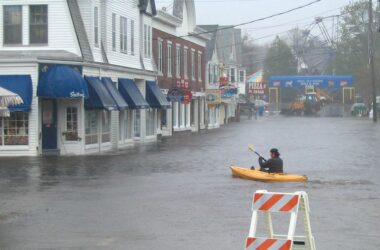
269	202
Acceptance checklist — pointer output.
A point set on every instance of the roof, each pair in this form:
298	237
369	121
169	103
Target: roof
41	54
229	38
143	5
80	31
210	44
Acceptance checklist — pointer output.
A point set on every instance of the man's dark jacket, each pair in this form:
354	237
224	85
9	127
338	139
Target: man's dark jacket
272	165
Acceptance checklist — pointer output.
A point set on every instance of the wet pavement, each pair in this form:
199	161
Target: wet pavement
179	193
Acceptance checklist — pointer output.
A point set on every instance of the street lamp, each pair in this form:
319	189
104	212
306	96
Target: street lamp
371	62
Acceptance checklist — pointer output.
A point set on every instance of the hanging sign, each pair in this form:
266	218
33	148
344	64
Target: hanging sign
213	96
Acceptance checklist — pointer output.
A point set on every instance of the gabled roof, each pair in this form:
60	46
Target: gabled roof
211	44
228	41
80	31
143	5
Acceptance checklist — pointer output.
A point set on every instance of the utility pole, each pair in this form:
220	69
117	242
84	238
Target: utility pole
371	61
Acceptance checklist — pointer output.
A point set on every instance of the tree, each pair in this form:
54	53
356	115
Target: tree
252	55
279	60
352	51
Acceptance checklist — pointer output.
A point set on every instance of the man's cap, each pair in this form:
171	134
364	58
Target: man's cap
274	150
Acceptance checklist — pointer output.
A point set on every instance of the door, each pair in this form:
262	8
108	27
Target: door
49	124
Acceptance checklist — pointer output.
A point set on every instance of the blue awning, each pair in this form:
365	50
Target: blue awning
21	85
155	97
132	94
99	97
61	81
121	104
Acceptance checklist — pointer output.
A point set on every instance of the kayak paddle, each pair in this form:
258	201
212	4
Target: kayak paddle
250	147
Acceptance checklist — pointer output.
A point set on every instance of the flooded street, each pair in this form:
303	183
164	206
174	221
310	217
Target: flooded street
179	193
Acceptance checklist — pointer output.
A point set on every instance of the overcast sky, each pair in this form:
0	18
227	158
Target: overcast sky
229	12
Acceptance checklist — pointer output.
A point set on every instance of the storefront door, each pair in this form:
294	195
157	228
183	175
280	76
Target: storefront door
49	125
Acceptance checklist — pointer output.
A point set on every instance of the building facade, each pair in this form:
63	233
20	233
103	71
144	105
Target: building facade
85	72
224	72
180	62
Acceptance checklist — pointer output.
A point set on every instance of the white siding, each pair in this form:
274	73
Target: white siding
129	10
61	35
32	148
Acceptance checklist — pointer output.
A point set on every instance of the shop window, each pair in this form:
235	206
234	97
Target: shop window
164	118
38	24
15	129
175	114
150	123
182	115
192	113
91	127
71	133
124	126
106	126
12	19
136	123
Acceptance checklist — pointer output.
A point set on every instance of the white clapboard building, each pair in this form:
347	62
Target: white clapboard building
85	72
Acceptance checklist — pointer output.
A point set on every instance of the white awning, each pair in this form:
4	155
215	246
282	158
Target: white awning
8	98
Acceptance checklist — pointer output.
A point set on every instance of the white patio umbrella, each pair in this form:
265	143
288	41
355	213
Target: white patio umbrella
8	98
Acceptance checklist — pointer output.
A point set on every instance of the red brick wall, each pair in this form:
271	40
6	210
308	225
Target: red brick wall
166	82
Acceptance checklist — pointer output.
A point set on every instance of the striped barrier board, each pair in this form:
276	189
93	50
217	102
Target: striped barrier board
254	243
275	202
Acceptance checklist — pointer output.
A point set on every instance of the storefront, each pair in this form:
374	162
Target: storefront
15	128
213	99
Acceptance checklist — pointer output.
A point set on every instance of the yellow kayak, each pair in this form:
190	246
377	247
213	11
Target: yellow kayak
257	175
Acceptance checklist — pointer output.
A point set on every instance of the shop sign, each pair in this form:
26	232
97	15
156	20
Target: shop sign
187	96
257	88
213	96
228	93
223	80
175	95
182	84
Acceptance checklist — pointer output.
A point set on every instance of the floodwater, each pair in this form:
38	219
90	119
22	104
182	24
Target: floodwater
179	193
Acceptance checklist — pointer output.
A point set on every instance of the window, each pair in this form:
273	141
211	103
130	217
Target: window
159	61
113	31
132	37
123	34
185	63
232	75
38	17
71	133
241	75
169	60
12	24
96	26
14	130
91	127
215	73
178	62
106	128
136	123
192	65
199	67
150	124
147	40
210	75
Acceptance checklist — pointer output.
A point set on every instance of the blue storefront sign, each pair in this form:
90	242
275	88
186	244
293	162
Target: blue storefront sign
324	81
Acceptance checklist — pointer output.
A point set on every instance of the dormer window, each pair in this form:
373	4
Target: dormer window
12	24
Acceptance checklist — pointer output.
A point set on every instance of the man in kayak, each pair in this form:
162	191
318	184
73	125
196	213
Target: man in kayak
274	164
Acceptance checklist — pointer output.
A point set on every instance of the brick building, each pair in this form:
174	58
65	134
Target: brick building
180	62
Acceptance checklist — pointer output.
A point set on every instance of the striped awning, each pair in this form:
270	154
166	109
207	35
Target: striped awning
8	98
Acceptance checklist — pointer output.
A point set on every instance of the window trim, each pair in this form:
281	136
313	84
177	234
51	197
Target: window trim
96	27
113	32
22	26
160	55
123	35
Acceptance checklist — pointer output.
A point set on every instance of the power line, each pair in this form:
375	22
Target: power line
252	21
